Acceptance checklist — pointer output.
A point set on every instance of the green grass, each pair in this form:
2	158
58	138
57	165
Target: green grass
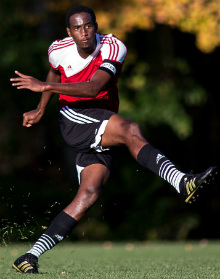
175	260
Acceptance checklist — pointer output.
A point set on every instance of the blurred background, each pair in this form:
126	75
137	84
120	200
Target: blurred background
169	85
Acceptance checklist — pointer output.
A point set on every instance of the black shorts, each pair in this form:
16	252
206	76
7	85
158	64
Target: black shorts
86	159
82	130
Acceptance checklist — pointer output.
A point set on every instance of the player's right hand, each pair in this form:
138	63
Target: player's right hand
32	117
28	82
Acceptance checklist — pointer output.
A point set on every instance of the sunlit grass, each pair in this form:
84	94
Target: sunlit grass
191	260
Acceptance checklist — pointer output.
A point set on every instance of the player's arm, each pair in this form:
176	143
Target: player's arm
34	116
88	89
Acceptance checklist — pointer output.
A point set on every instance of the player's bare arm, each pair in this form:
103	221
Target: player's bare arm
34	116
88	89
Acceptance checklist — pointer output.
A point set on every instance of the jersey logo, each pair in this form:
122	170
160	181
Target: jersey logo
59	237
69	68
69	71
159	156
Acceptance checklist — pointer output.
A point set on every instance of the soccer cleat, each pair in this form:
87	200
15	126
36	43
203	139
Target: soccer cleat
26	264
192	182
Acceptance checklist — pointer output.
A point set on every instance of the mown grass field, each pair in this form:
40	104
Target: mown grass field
191	260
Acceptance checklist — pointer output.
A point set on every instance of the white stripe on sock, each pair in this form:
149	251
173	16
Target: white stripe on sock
44	243
169	173
49	239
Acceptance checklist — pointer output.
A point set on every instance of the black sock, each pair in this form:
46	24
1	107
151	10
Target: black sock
61	226
156	161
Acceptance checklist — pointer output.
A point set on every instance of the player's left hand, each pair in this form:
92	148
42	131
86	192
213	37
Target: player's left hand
28	82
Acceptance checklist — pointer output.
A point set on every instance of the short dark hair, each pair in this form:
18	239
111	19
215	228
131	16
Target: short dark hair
80	9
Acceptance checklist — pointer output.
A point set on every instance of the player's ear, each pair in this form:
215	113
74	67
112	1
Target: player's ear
68	32
96	27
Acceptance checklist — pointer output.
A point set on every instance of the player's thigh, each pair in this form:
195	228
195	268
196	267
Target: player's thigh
93	177
116	131
120	130
94	166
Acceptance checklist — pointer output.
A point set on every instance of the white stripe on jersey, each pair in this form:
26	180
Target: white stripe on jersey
113	56
60	44
77	117
112	52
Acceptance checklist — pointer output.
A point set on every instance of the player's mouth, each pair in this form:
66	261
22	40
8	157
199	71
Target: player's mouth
88	44
86	40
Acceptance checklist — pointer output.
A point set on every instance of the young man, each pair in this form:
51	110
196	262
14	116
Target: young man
84	70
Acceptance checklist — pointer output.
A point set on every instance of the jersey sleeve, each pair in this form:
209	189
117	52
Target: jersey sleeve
113	54
53	58
113	49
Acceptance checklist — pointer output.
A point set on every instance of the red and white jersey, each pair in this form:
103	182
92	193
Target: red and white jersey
64	57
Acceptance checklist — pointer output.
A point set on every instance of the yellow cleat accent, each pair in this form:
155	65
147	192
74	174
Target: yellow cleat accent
193	182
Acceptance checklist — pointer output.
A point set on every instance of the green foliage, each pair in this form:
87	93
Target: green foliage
151	98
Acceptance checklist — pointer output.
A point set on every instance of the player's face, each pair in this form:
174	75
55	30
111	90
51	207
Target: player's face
83	31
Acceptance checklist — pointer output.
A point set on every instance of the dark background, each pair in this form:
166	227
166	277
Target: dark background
168	85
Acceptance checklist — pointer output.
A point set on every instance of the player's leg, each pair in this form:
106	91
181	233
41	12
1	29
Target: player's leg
93	177
123	131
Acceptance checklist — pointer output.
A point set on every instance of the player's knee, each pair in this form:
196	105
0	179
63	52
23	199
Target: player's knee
133	132
135	128
92	192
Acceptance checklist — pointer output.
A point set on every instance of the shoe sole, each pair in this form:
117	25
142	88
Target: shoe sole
210	175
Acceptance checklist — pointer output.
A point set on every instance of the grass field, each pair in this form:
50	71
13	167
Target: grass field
191	260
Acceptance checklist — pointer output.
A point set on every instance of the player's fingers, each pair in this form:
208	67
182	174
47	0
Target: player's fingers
19	83
25	123
30	122
25	119
20	74
28	125
16	83
22	87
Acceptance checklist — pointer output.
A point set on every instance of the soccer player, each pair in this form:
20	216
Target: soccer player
85	68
